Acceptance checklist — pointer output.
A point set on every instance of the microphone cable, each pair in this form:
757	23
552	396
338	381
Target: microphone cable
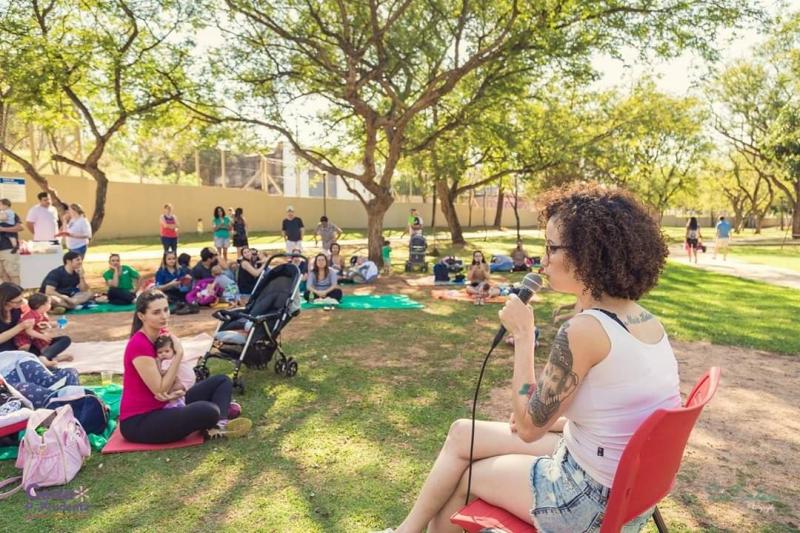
472	432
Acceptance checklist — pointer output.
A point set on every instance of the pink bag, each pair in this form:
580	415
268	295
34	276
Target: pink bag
53	458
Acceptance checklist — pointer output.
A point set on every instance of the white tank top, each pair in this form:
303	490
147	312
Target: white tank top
616	396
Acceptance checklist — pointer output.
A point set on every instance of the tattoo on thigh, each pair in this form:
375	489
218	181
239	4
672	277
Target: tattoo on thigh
557	383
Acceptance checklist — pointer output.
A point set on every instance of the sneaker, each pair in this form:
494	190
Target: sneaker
231	429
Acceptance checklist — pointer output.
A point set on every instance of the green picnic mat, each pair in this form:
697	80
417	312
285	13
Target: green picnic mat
103	308
111	395
372	301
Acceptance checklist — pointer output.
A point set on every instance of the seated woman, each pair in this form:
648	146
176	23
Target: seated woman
251	265
322	281
173	279
609	368
12	325
122	281
145	392
519	257
478	284
336	260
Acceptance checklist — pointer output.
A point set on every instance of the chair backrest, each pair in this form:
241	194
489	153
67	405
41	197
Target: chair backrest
648	466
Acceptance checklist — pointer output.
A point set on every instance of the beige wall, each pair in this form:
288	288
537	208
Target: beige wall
133	209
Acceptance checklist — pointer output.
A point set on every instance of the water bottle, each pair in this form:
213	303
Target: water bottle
62	322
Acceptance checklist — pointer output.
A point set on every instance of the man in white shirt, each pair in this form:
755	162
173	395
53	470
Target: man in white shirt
42	219
364	271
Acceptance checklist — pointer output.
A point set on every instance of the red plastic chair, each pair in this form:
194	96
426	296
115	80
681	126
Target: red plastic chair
646	471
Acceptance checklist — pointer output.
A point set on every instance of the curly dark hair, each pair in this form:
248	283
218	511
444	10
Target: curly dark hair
615	246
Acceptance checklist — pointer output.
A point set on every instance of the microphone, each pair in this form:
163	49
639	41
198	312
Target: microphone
531	284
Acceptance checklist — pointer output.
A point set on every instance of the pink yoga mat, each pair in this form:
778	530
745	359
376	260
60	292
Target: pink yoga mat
118	444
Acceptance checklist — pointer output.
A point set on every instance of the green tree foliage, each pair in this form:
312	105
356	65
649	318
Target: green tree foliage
96	64
380	65
758	110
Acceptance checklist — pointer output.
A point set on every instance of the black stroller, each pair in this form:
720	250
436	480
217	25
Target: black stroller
275	300
417	248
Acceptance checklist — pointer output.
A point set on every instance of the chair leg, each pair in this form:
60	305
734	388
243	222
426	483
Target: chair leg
660	524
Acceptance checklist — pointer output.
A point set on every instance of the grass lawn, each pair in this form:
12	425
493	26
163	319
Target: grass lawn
786	257
346	444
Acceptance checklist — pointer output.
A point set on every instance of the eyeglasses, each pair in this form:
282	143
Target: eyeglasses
550	248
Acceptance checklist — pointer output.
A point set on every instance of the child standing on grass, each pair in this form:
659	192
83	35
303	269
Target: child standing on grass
386	253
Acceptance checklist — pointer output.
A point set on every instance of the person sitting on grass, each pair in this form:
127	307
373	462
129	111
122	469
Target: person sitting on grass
38	339
363	271
336	260
322	281
173	279
145	391
122	281
225	285
208	258
251	265
66	285
519	258
478	284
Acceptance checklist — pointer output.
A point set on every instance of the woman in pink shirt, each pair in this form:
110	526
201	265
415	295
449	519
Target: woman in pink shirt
146	391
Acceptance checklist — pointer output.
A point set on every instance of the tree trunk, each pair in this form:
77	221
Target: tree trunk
796	220
100	194
447	202
39	179
498	214
376	208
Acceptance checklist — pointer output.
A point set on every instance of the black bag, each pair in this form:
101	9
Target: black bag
440	272
88	409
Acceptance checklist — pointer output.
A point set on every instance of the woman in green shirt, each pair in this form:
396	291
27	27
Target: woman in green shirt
122	281
221	224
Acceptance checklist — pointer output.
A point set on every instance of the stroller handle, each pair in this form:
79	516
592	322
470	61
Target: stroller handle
291	256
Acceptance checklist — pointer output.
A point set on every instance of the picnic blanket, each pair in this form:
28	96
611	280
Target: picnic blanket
430	281
103	308
371	301
461	295
111	395
92	357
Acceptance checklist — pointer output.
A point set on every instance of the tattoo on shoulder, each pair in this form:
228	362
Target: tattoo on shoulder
644	316
558	381
526	389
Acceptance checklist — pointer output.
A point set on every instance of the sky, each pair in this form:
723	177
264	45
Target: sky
680	76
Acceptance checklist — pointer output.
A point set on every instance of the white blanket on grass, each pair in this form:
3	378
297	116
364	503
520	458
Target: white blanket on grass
95	357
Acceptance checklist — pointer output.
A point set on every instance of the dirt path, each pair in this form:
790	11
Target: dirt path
768	274
739	472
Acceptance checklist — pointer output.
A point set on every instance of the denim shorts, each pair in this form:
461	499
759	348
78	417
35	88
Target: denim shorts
566	499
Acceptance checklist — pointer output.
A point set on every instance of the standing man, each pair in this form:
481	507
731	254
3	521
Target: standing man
414	223
42	219
723	238
328	232
9	258
292	230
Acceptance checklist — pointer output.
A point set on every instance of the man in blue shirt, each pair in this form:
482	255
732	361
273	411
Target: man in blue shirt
723	237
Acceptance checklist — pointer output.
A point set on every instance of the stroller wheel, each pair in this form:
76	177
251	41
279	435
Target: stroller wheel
291	368
280	366
238	384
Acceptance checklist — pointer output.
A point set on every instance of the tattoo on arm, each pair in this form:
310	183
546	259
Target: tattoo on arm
644	316
557	382
526	389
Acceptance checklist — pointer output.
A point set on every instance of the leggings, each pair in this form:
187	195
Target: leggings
206	403
56	346
117	296
336	294
174	295
38	380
